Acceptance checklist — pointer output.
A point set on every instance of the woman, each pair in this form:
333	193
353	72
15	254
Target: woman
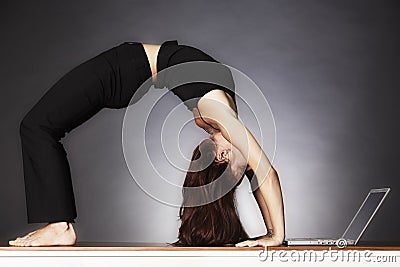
109	80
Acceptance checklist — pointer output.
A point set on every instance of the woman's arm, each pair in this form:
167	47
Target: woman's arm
215	111
260	201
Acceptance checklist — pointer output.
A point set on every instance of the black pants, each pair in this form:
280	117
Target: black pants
108	80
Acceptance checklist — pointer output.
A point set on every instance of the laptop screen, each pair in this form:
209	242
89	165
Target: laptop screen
365	214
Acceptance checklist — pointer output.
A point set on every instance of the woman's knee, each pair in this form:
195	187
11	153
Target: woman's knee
27	123
32	127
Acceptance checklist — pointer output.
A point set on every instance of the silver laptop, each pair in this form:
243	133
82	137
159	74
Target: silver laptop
356	227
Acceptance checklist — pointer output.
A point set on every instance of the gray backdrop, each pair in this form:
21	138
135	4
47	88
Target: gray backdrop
329	69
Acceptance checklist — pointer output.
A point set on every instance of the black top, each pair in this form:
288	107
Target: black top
191	81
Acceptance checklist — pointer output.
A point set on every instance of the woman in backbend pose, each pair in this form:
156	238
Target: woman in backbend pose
110	80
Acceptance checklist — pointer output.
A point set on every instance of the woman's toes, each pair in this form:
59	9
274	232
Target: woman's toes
15	242
25	243
28	235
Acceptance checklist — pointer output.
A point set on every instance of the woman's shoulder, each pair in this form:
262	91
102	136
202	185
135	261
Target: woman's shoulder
221	97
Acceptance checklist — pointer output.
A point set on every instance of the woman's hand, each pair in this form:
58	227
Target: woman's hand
264	241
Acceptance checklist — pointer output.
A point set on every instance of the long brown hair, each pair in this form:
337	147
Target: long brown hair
216	222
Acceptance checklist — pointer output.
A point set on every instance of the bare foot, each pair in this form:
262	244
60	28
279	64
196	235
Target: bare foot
53	234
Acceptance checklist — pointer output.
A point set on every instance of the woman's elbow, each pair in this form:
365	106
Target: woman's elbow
272	176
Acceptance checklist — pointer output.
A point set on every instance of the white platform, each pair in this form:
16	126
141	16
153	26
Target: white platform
145	254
